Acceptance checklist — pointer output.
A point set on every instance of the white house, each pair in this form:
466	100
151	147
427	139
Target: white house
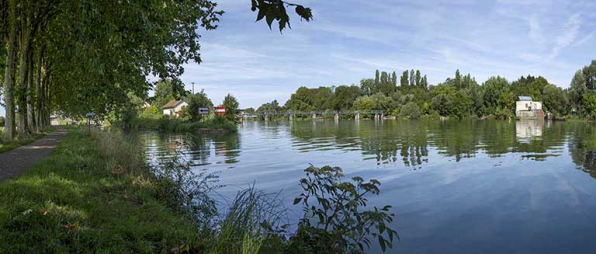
525	108
174	107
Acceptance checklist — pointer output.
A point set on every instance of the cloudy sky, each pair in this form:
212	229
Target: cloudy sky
349	39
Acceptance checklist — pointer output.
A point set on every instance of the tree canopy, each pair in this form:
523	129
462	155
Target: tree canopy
459	96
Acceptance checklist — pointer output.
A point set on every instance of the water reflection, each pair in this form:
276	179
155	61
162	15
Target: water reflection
504	186
200	149
528	129
408	143
583	148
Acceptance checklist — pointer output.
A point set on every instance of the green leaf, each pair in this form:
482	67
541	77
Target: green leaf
262	12
297	200
382	243
270	16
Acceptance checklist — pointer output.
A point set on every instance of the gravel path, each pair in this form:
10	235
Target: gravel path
17	161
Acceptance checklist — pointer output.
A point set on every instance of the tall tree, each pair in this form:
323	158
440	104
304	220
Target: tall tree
377	82
384	88
404	79
457	80
418	78
367	86
10	71
232	106
412	78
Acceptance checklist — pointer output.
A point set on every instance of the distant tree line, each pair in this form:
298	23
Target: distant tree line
459	96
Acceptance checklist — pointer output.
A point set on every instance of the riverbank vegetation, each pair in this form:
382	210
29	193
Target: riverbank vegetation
139	115
97	194
459	97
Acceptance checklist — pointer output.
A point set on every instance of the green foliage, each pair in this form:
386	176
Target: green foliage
404	80
333	221
365	103
583	85
196	101
2	120
270	107
186	191
555	100
250	111
231	105
494	88
442	104
276	10
589	104
166	90
367	86
344	97
100	52
410	111
503	114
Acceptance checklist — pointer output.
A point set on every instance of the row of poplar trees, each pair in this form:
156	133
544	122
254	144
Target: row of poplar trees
78	56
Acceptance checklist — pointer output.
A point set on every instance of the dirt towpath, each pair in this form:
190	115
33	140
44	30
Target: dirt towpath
17	161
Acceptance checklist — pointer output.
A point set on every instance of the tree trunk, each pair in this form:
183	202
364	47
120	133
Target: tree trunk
39	92
46	91
9	76
30	95
22	129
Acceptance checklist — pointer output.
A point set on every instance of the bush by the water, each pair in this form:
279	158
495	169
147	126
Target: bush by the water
410	111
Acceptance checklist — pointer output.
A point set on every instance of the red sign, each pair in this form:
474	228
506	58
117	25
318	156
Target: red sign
220	110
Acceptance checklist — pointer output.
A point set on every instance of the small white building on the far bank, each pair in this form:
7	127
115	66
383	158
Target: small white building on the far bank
525	108
174	107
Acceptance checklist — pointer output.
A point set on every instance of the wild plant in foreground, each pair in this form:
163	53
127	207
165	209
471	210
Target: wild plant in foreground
187	190
334	217
334	220
246	222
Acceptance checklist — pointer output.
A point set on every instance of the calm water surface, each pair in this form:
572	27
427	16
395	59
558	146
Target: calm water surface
456	187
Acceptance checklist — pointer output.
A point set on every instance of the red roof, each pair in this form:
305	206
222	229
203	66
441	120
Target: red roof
171	104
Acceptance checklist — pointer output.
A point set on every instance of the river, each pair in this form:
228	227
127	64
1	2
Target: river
455	186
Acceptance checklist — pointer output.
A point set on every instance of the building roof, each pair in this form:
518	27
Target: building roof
525	98
172	104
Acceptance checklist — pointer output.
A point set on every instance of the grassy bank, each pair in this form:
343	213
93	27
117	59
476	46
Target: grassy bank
96	194
7	146
88	197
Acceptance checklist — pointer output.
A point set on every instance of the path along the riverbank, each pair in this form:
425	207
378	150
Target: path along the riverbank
17	161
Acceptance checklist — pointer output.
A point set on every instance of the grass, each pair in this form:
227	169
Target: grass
96	194
5	147
90	195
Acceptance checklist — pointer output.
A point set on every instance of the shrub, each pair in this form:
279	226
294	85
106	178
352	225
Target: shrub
410	111
333	219
2	121
503	114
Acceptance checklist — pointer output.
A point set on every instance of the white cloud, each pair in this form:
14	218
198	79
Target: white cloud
568	35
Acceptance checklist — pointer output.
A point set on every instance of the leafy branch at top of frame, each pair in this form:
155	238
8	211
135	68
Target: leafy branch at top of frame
272	10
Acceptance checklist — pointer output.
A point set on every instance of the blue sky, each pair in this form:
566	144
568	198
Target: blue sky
349	39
